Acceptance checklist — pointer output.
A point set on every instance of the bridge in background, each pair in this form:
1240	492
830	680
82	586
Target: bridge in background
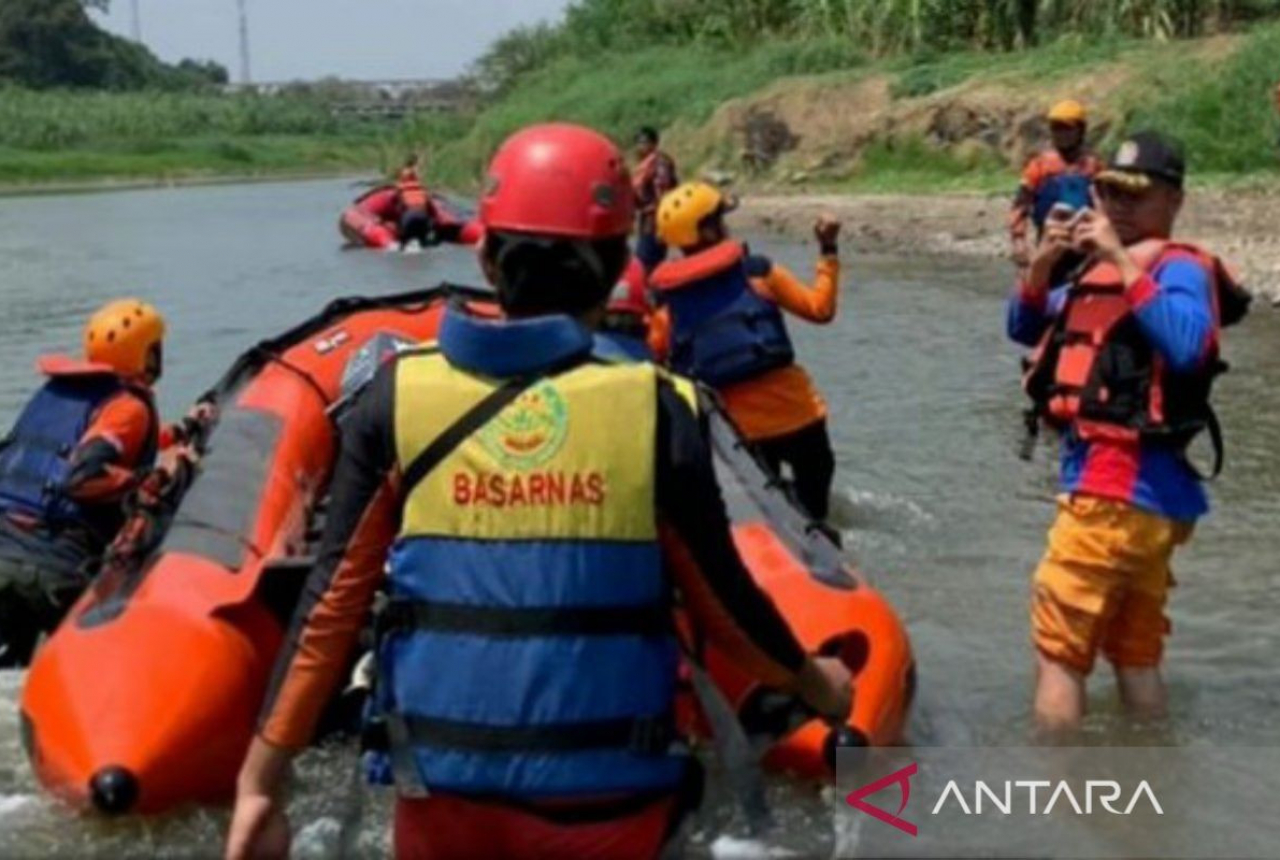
393	99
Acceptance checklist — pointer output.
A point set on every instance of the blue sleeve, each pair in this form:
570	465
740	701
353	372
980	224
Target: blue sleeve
1177	318
1027	321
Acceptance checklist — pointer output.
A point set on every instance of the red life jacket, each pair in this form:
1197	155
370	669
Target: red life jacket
1095	374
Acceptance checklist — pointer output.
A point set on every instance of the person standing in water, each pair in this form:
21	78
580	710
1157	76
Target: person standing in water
532	513
1126	354
721	322
79	447
655	175
1058	176
413	203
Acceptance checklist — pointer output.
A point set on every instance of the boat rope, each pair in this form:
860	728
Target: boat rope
276	358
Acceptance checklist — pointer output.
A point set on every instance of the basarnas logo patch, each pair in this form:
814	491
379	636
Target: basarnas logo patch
530	431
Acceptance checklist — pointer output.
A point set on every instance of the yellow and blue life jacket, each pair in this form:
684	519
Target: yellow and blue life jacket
528	649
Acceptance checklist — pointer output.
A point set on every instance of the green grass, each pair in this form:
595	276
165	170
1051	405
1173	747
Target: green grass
1222	111
185	158
924	73
1221	108
70	137
911	166
620	93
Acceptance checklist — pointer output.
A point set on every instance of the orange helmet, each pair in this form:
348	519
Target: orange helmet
1068	112
125	335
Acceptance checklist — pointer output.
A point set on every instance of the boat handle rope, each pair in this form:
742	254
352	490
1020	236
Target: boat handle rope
272	357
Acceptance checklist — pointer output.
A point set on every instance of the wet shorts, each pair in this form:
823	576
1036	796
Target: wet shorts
1103	584
445	827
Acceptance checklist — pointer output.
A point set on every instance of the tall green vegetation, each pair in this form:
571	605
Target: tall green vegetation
880	27
1224	114
58	120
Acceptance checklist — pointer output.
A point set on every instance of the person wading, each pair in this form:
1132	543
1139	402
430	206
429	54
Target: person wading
536	513
722	323
1126	354
78	448
655	175
413	203
1057	177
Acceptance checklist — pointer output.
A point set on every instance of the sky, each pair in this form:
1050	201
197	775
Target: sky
307	39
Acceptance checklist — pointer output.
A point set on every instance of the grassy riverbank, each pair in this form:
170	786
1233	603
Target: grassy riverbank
817	115
66	137
812	113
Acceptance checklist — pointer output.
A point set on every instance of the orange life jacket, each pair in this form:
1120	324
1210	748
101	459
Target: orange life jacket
1094	372
413	196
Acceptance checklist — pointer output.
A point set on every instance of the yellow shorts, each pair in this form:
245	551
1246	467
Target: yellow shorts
1103	583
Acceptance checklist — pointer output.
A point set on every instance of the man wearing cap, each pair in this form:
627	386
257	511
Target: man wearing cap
1126	353
1057	176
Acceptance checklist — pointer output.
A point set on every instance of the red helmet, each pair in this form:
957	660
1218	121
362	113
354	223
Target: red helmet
558	180
630	295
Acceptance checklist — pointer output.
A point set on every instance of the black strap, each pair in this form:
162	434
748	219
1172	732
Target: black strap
648	620
1214	428
641	735
462	430
1215	437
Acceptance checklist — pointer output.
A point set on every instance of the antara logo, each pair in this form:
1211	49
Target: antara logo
901	778
1042	797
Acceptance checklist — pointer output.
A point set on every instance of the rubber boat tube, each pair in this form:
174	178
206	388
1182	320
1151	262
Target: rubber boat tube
372	220
146	697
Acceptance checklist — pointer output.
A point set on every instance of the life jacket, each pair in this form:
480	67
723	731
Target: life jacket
527	649
1066	183
722	330
1095	374
621	346
412	195
35	458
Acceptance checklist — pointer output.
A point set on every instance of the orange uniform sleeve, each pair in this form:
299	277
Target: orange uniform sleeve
1033	174
660	334
124	423
817	304
713	617
328	625
1020	212
722	598
364	512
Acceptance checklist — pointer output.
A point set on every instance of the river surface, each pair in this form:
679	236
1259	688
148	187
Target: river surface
938	509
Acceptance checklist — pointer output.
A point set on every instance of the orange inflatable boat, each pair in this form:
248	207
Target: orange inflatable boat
372	221
146	697
833	610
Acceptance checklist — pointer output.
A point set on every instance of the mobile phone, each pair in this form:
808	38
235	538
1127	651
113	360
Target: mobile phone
1063	213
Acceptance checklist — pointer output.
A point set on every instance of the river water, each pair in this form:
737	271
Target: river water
939	511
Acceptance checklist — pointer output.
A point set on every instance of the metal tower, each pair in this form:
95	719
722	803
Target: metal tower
245	75
137	22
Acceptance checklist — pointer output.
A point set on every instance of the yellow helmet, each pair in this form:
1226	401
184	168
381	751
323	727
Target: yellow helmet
1068	111
123	335
683	210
